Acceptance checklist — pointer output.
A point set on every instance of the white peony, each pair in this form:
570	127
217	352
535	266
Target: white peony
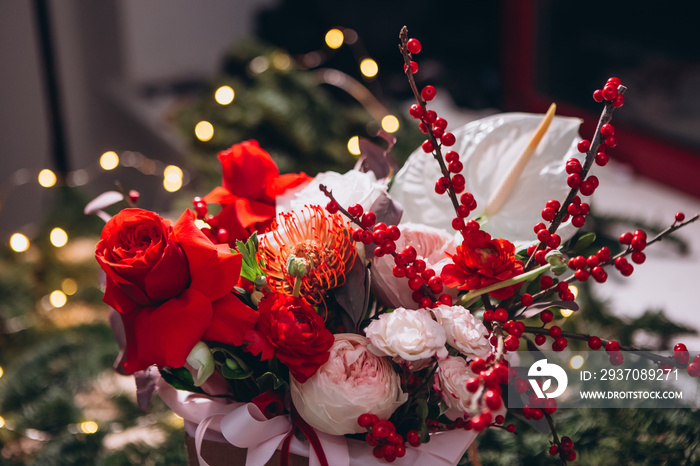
488	148
354	381
352	187
464	331
407	335
431	244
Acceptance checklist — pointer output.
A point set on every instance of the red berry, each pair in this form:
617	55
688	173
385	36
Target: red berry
332	207
540	340
458	224
368	219
550	406
416	111
428	93
448	139
616	358
414	67
619	101
428	146
578	221
553	450
693	369
680	216
607	130
560	343
602	159
599	274
355	210
573	180
626	238
603	254
612	346
456	166
399	271
614	81
493	400
548	213
609	92
543	236
587	188
594	343
423	127
638	257
526	300
500	314
598	95
546	316
582	275
413	45
546	281
429	117
584	146
488	315
364	420
680	353
554	241
573	166
511	343
442	124
611	142
555	331
437	132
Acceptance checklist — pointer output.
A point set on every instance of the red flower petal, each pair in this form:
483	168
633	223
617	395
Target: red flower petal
231	321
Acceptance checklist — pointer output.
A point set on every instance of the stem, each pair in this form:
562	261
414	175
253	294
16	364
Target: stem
437	154
297	286
605	117
505	283
554	435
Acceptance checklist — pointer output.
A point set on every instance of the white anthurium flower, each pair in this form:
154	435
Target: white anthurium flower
201	360
490	150
352	187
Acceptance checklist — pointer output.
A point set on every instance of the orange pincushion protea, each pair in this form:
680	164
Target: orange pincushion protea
320	239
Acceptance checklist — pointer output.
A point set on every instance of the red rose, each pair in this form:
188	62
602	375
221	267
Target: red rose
172	287
251	183
290	329
481	261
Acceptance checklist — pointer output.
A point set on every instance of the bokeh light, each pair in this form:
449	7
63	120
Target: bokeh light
334	38
47	178
58	237
88	427
369	67
354	145
204	131
19	242
109	160
172	178
390	124
58	298
576	362
2	422
224	95
69	286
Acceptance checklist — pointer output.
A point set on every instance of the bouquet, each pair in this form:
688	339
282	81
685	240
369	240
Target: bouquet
373	315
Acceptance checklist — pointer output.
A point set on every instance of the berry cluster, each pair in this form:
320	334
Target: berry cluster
592	266
565	450
610	92
382	435
423	280
452	181
214	233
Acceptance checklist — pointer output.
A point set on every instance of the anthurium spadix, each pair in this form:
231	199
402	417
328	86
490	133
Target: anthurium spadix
510	181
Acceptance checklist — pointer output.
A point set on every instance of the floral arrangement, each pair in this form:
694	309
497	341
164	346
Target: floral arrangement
374	308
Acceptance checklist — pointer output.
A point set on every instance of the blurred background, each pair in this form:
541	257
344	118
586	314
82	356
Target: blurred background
127	94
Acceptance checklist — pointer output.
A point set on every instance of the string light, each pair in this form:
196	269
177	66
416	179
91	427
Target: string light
19	242
58	298
47	178
390	124
58	237
204	131
224	95
334	38
369	68
109	160
69	286
354	145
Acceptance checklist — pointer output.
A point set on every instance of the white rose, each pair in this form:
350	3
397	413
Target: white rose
431	244
353	382
488	148
452	375
407	335
464	331
353	187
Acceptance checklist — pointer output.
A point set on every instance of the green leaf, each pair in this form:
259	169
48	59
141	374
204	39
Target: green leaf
250	269
270	381
181	379
584	241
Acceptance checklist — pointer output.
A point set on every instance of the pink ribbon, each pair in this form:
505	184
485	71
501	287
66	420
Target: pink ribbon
245	426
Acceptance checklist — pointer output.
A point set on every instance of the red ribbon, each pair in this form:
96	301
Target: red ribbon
310	434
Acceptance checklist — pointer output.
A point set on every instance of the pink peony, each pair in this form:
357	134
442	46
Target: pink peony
464	332
353	382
